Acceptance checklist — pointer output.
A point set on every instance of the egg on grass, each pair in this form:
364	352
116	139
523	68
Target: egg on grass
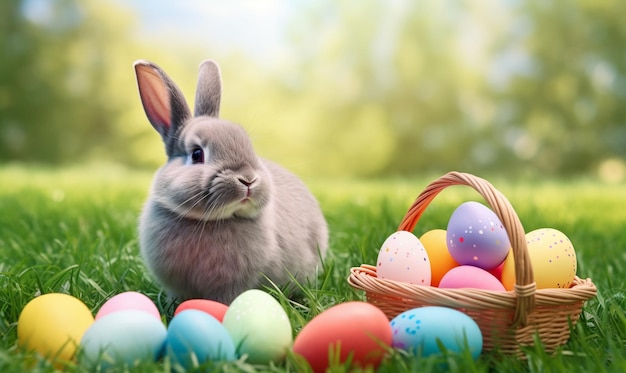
195	338
126	301
426	330
213	308
356	330
53	325
125	337
259	327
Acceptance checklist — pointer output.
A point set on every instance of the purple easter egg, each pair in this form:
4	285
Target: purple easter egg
476	236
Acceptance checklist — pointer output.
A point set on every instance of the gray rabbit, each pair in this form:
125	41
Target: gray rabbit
219	219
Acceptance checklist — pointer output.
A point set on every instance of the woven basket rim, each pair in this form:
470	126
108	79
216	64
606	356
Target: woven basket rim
365	278
525	296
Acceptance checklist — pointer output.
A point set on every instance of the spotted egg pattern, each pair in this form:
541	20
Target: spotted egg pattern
476	236
428	329
411	324
553	258
402	257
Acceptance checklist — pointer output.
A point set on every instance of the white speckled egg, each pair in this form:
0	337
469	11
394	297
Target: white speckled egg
402	257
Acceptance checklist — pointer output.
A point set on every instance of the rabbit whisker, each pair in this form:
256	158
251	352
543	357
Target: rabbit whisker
187	211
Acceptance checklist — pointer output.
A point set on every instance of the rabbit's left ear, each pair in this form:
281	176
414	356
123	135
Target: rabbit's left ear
162	100
209	90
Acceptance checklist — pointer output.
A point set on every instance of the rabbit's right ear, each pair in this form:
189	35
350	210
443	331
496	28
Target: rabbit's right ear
162	100
209	90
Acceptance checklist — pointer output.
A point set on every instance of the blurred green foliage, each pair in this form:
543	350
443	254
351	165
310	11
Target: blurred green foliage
367	87
57	97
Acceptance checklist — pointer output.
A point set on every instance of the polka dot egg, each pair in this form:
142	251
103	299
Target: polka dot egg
475	236
552	257
402	257
432	330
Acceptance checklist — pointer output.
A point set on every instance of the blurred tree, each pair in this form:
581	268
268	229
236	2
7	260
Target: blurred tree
368	88
564	108
394	85
515	87
57	77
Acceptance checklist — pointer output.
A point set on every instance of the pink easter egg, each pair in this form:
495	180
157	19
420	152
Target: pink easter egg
130	300
470	277
402	257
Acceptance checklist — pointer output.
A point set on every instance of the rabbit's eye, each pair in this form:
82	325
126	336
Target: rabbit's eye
197	156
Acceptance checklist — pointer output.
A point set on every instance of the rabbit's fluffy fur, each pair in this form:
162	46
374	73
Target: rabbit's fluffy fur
219	219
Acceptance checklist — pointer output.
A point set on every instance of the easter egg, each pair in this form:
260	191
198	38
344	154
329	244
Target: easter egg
552	257
441	261
497	271
123	337
357	331
402	257
195	337
213	308
259	327
475	236
507	275
470	277
130	300
425	329
53	325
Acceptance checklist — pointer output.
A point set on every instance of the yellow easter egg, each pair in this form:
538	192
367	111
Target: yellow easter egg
508	272
53	325
441	261
553	258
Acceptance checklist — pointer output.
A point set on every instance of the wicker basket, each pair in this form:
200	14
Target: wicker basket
508	320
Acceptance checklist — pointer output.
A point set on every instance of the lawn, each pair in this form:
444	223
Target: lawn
74	231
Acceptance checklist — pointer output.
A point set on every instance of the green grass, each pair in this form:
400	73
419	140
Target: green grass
74	231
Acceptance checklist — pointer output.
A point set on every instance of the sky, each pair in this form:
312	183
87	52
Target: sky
252	26
256	27
259	28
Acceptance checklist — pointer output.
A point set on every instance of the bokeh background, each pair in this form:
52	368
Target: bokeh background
374	88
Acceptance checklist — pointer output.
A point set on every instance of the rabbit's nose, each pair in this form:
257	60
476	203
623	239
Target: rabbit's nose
246	182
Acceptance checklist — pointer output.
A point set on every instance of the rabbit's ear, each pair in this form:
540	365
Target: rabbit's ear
209	90
162	100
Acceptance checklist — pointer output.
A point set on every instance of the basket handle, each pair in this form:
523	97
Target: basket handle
524	280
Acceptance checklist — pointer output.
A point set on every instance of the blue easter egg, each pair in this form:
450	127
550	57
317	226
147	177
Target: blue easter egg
422	329
195	337
123	337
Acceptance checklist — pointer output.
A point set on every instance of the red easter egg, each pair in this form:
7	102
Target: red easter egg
353	329
213	308
497	272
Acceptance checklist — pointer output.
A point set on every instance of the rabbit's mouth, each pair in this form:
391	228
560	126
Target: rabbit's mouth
245	205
